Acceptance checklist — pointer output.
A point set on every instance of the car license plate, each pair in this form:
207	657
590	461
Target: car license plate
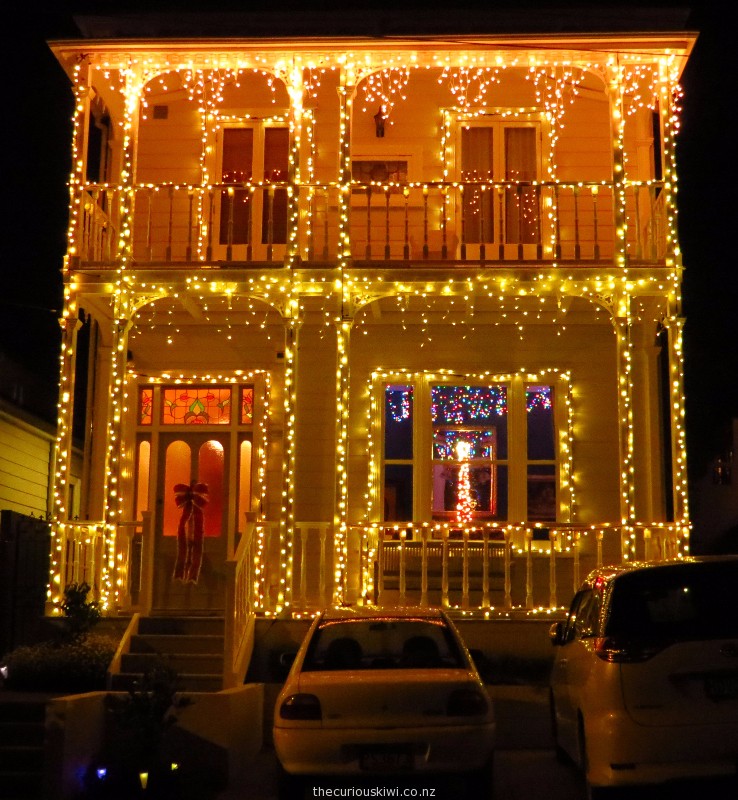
387	758
722	687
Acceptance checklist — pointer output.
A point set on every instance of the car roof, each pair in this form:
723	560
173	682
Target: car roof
609	573
374	612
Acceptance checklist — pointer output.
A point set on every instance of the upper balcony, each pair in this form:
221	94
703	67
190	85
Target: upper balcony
389	224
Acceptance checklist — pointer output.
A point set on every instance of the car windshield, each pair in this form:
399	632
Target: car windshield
380	643
691	601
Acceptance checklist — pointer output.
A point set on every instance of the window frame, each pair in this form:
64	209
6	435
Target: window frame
516	461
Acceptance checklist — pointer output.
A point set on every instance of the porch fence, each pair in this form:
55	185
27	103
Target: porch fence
438	221
475	568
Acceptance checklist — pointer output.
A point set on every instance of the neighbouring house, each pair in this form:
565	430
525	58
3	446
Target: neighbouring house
372	315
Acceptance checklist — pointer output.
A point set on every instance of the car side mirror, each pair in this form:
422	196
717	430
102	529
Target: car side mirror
556	634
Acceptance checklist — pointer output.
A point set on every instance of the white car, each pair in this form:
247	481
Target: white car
383	692
644	684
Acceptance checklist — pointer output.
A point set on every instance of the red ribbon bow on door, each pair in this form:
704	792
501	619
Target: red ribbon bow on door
191	499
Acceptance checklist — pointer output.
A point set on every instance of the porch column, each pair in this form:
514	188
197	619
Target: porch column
113	501
617	126
340	514
80	134
624	355
674	328
287	514
63	450
649	498
343	333
294	168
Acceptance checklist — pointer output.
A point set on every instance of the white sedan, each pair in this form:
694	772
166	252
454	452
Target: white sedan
375	691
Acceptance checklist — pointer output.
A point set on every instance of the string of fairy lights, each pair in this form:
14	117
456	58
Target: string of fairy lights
293	82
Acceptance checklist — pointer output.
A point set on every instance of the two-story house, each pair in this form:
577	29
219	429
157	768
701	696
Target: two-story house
385	318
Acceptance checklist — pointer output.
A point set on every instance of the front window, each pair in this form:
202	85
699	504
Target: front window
461	453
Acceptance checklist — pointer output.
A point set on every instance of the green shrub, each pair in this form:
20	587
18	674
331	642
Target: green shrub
75	666
80	614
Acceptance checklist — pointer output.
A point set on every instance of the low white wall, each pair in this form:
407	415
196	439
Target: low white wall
230	719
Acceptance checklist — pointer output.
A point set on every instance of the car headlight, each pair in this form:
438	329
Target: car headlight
466	703
300	706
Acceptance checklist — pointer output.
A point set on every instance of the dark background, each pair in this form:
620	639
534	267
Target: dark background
36	165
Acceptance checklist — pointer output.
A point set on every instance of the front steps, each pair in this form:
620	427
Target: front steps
193	646
22	735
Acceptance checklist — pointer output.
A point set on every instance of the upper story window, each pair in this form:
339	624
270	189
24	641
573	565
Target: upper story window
496	151
258	153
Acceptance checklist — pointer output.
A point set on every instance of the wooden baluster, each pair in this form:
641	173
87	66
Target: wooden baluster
599	536
577	245
209	232
386	223
508	568
638	226
310	228
425	222
322	569
303	566
406	245
403	584
538	212
190	223
444	222
149	223
368	223
231	195
463	222
170	226
249	225
485	568
519	201
482	203
424	566
379	589
501	221
325	228
596	254
465	569
270	222
552	539
557	223
528	568
444	568
575	570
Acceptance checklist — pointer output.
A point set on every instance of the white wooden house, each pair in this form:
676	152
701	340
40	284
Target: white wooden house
407	309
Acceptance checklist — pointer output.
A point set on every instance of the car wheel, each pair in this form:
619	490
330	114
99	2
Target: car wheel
592	792
480	782
561	755
289	787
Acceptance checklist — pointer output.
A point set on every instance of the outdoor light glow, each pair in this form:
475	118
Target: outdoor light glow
587	249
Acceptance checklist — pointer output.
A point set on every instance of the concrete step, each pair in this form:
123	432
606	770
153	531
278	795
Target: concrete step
188	682
182	662
182	626
175	643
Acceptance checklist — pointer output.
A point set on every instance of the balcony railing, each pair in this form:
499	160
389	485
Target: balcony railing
459	222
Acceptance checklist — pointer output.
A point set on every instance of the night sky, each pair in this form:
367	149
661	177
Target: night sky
35	168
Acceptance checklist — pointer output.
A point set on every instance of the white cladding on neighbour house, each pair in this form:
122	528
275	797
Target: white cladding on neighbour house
392	318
